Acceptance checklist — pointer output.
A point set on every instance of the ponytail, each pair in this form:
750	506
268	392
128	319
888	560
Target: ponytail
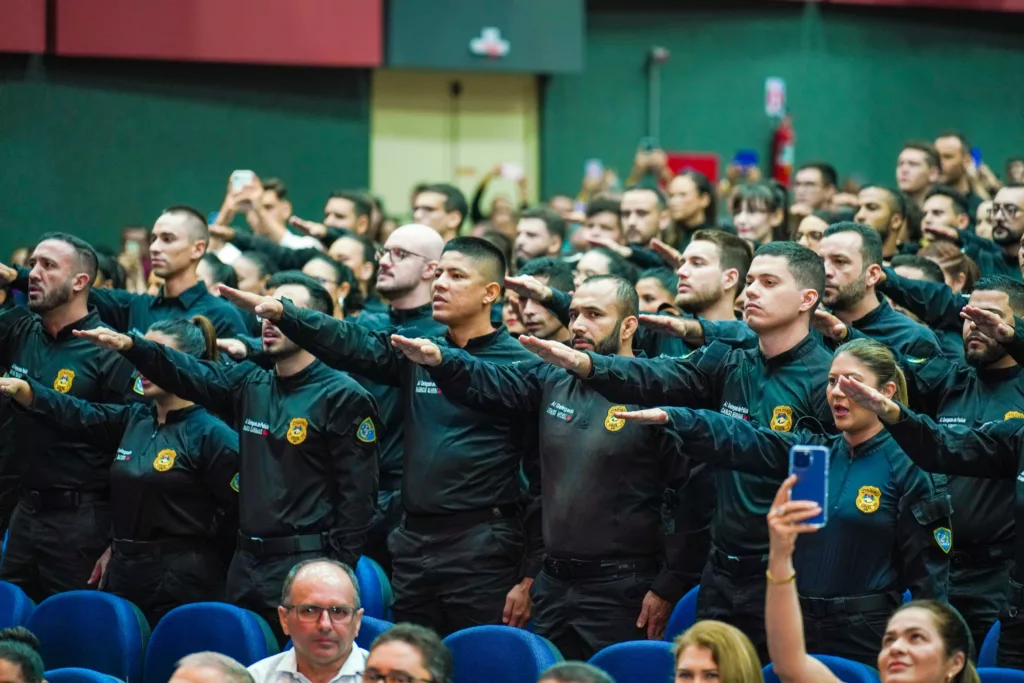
901	396
209	332
196	337
880	361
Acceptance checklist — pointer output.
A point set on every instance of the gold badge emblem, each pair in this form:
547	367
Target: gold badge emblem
868	499
1013	415
782	419
164	460
612	423
297	431
65	378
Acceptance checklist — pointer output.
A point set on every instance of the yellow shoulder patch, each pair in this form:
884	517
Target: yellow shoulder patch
366	433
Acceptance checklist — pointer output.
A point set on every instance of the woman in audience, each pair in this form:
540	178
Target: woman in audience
20	661
925	641
173	482
885	520
713	651
758	212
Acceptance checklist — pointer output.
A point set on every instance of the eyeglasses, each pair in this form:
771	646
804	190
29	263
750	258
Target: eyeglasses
374	676
397	254
1012	211
339	614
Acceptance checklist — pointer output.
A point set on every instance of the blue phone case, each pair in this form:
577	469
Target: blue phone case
810	465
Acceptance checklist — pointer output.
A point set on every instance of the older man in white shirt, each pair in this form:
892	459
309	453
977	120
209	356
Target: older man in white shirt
320	611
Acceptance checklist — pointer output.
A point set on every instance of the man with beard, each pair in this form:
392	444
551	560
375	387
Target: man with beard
538	320
539	232
307	449
61	524
853	267
604	579
917	169
885	210
1000	255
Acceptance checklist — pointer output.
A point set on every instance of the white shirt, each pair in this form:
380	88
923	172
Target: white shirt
293	241
282	668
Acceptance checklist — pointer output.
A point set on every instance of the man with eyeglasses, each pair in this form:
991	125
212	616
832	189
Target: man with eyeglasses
407	653
1001	255
320	610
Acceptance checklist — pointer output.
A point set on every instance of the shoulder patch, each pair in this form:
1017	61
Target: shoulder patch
234	483
916	361
137	387
366	433
1013	415
944	538
65	378
782	419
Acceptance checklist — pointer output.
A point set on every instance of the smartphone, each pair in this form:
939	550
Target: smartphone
976	155
511	171
132	248
239	179
745	158
649	144
810	465
593	169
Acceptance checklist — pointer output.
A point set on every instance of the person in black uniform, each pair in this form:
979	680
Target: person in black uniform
307	449
61	524
176	466
888	526
604	579
10	468
777	384
460	556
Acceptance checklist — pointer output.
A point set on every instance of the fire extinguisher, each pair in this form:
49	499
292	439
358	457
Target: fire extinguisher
783	151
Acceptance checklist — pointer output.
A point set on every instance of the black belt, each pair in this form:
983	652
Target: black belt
747	565
282	545
60	499
458	521
126	546
823	607
977	556
592	569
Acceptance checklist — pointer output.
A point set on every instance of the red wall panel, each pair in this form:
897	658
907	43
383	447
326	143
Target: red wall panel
22	25
300	32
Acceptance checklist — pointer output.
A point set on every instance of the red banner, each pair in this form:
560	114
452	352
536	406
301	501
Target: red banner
22	25
299	32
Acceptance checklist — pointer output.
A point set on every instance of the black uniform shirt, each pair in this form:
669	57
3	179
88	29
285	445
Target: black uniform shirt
741	383
58	458
167	480
898	332
127	312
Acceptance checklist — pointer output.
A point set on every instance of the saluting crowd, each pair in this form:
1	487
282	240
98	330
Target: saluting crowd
562	417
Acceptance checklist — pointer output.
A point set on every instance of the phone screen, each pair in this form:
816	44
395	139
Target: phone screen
810	465
239	179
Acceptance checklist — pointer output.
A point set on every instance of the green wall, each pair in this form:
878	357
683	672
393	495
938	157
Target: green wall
859	81
93	145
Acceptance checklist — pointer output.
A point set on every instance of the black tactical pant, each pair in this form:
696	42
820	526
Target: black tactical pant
390	505
851	628
978	591
255	582
159	581
733	591
52	549
451	580
1011	630
583	616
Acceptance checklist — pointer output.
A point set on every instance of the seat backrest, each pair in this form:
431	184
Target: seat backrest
499	654
637	661
987	654
15	606
369	630
374	588
207	626
993	675
684	615
92	630
846	670
75	675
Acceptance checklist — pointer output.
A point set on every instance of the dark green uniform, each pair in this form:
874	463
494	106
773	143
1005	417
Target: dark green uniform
746	385
168	484
462	546
888	526
61	524
934	303
307	463
996	451
989	256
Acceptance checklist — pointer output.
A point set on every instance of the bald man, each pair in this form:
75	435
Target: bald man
406	271
209	667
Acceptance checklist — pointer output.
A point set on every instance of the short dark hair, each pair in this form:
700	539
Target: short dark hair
658	194
617	265
557	271
222	272
553	222
111	269
666	276
485	255
870	240
198	228
955	134
733	251
960	204
437	658
454	200
574	672
626	298
85	255
603	205
501	241
277	186
897	200
319	299
289	579
930	269
804	265
196	336
930	153
829	177
264	263
361	205
342	274
1002	283
20	647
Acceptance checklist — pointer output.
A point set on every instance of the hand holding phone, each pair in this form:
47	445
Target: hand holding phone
810	465
240	179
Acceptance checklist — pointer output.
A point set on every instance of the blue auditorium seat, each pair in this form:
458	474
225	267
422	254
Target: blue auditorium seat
987	653
846	670
92	630
374	589
993	675
637	661
75	675
370	629
500	654
214	626
15	606
684	615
